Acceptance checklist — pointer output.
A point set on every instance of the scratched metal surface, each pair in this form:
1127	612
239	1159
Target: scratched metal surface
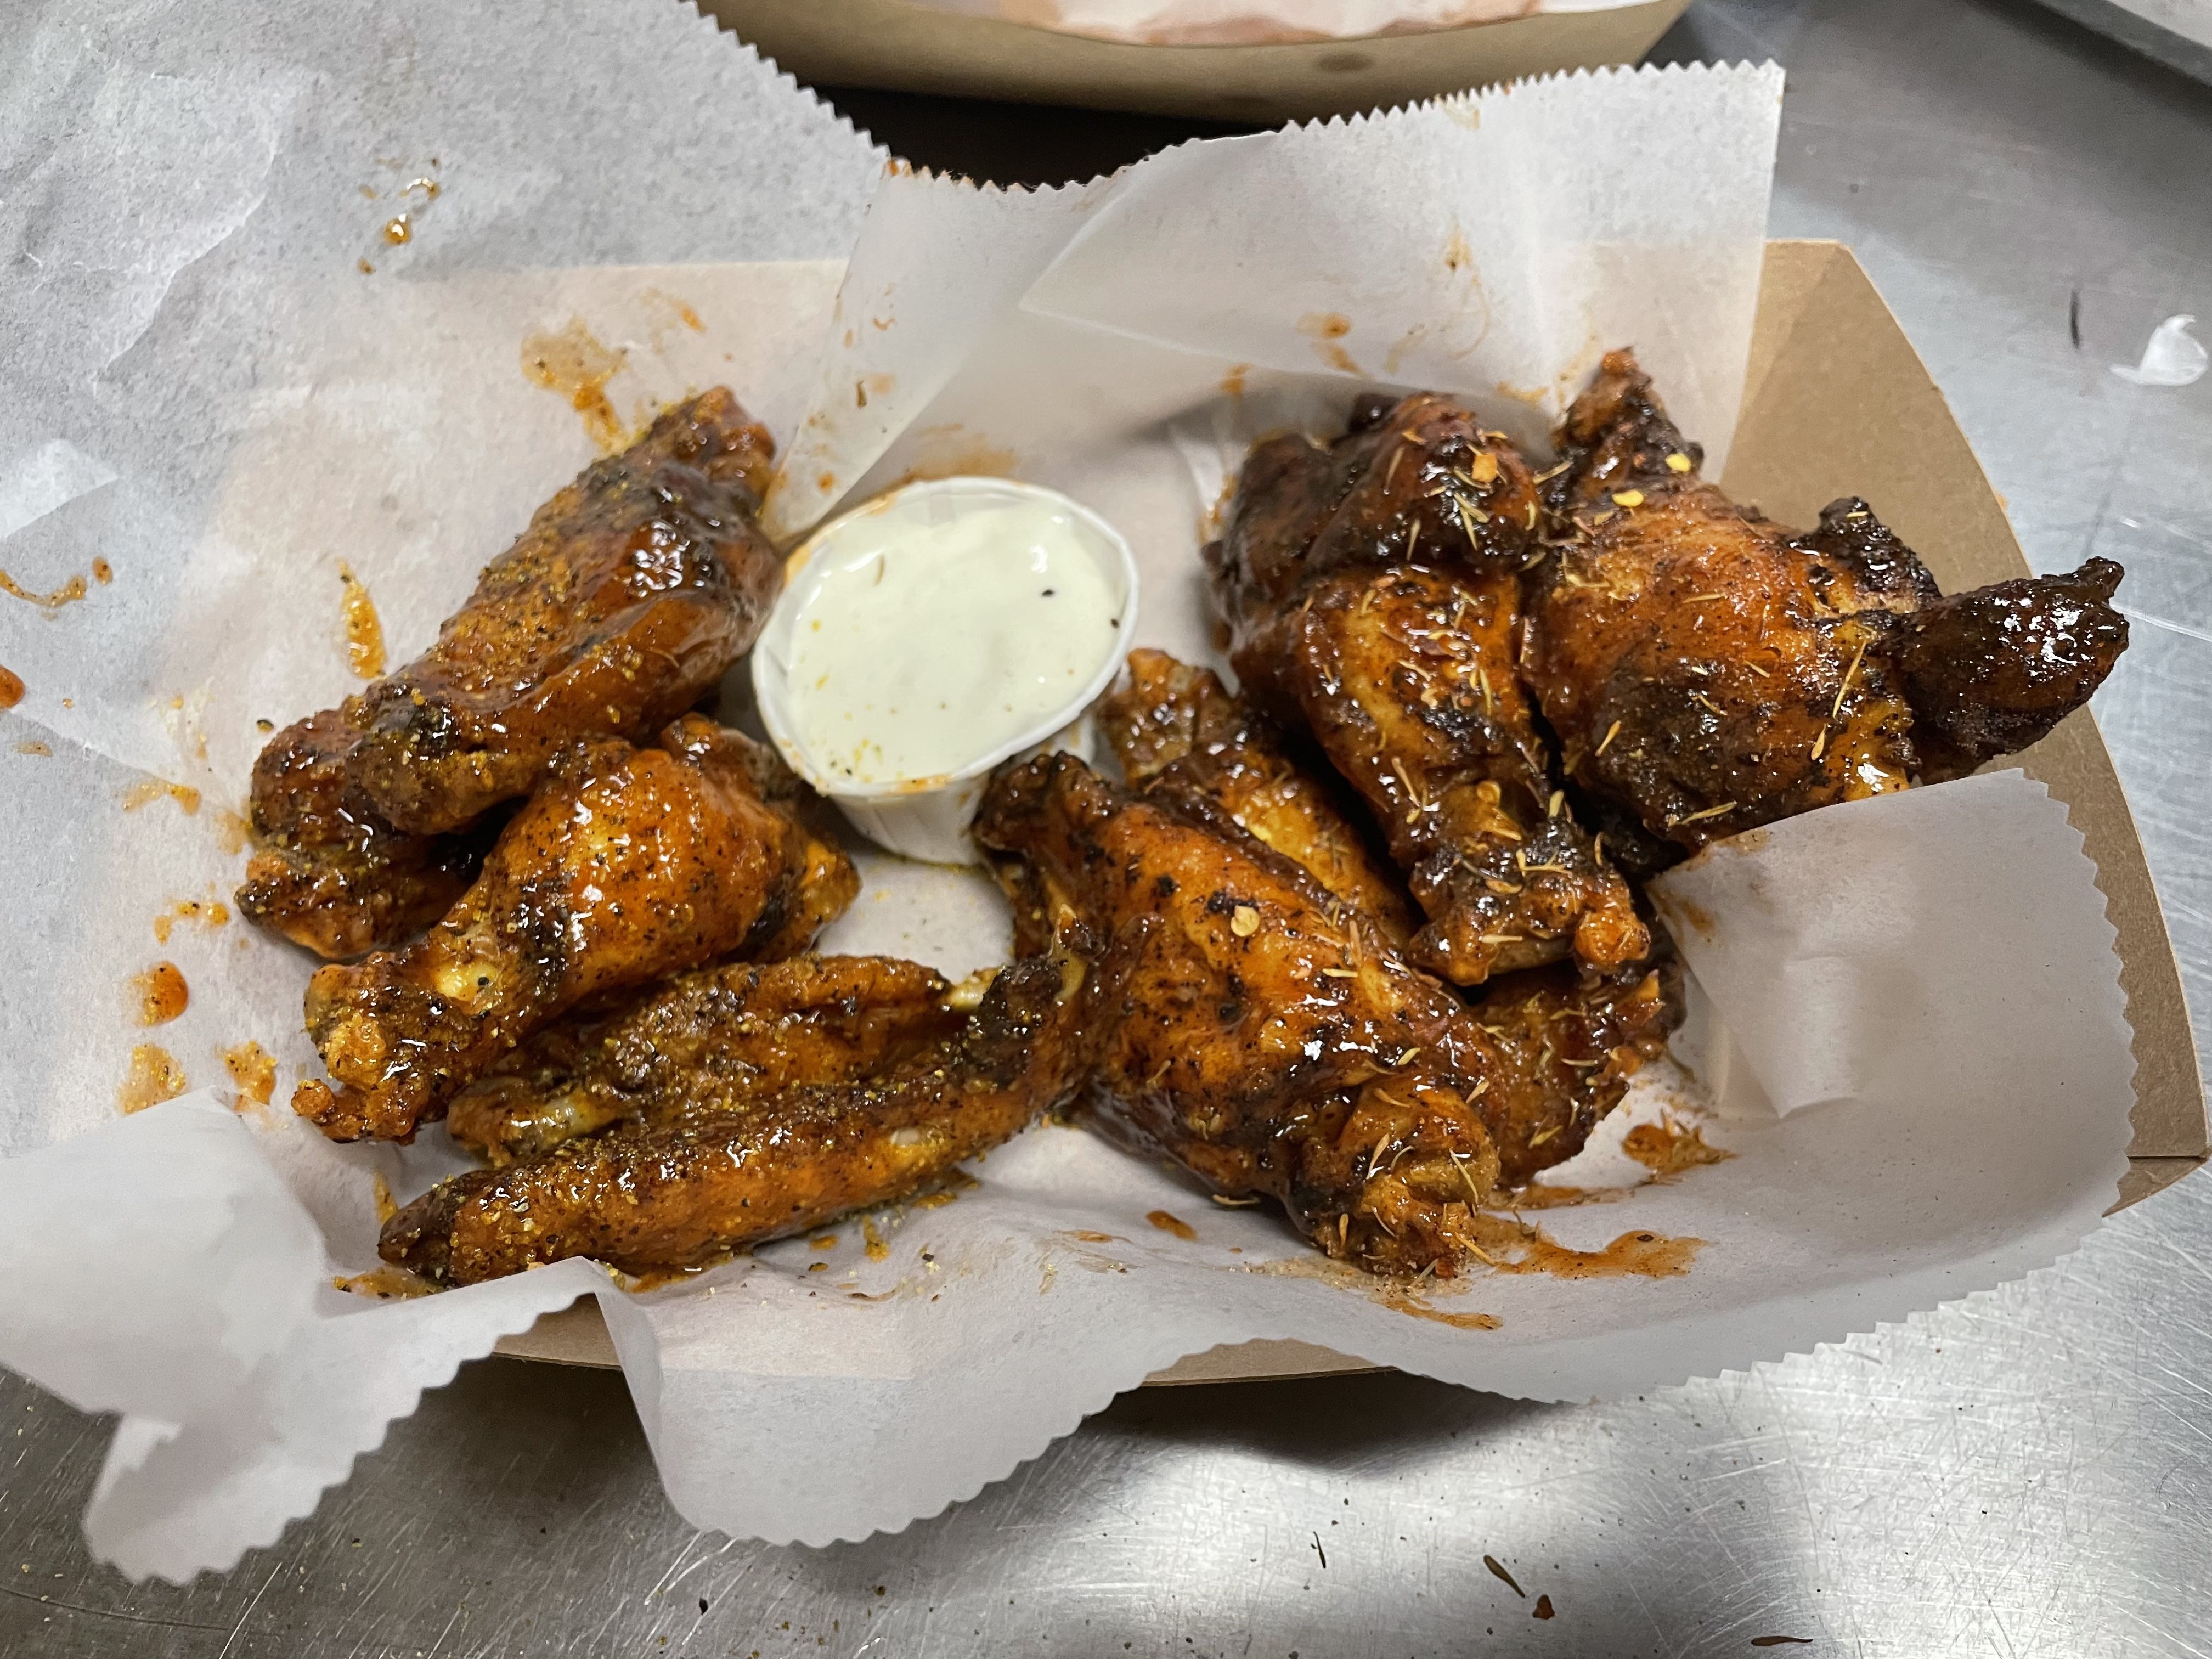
2028	1473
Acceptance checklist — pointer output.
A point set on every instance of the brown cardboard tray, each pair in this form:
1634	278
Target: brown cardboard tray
887	43
1837	402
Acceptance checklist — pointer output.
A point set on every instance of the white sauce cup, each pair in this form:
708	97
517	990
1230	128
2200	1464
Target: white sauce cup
927	817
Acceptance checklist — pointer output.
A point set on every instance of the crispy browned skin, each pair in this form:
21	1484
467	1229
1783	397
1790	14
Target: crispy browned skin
629	864
328	872
1373	587
1184	742
1567	1045
629	596
1707	670
1991	672
640	1197
705	1045
1269	1040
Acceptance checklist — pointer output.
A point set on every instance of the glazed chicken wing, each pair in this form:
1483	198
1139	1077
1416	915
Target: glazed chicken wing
627	865
680	1192
1185	742
630	595
328	872
1270	1040
708	1044
1372	586
1707	670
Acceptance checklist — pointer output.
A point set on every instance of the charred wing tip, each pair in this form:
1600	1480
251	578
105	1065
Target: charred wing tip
420	1236
2102	576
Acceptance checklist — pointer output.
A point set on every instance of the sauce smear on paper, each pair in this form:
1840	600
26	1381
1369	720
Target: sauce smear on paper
364	631
253	1069
1641	1256
154	1077
1669	1149
67	594
577	367
11	688
1169	1223
147	790
162	994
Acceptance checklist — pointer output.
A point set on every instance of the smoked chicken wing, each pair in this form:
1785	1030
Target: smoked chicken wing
1708	670
1271	1040
680	1191
1372	587
629	864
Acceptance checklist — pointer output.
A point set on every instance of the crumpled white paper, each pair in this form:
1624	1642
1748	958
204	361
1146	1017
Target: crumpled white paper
2172	356
175	1266
1256	22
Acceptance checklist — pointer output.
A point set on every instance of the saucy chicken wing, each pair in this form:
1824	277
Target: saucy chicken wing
1707	670
629	864
1273	1042
1184	742
1373	591
706	1044
678	1193
632	592
328	872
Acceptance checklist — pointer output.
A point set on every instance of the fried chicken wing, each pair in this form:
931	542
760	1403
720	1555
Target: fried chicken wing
708	1044
627	865
1373	587
678	1194
1184	742
1567	1043
328	872
632	592
1707	670
1273	1042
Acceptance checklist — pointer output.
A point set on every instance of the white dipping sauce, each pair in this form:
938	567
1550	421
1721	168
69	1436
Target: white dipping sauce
938	630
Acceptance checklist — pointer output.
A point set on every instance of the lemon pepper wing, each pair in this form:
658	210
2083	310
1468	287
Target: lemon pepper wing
630	865
328	872
628	598
645	1196
708	1043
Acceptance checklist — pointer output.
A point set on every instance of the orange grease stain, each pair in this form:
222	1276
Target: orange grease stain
162	994
154	1077
577	366
364	630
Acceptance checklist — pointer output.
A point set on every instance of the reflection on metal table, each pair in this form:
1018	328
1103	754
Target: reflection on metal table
2026	1473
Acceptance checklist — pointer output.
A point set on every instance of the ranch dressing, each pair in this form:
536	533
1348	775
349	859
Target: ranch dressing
938	630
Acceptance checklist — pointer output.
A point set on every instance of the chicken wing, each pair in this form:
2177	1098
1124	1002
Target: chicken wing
1707	670
1372	586
627	865
1185	742
676	1195
629	596
328	872
1273	1043
1567	1042
708	1044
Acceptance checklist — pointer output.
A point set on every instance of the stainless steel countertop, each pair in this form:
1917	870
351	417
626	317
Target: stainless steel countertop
2029	1472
